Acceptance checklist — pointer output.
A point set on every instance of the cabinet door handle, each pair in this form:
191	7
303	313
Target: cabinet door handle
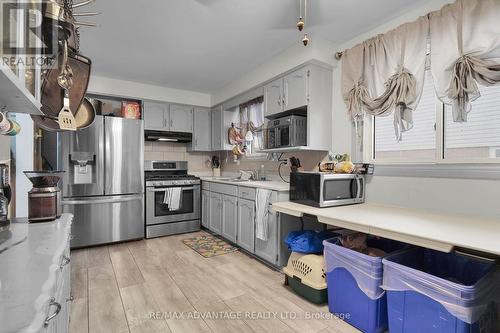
279	100
171	123
64	262
52	316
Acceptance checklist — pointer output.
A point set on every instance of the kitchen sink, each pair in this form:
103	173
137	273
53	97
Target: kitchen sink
233	180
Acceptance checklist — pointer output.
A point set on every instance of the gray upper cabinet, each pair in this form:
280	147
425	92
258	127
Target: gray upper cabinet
202	130
230	217
289	92
273	97
215	212
156	116
246	224
181	118
295	89
217	143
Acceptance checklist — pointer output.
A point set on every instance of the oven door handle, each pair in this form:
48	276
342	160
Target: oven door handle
164	189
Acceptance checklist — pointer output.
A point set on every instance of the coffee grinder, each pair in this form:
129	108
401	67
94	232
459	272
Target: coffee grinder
44	199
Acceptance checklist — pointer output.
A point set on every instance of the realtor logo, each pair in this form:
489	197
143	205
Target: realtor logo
25	40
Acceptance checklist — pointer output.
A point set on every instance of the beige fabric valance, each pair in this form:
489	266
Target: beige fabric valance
385	74
465	51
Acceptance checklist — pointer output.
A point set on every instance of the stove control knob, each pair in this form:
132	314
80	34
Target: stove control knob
175	182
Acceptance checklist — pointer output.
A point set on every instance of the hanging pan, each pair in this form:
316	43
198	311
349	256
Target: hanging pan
53	94
84	116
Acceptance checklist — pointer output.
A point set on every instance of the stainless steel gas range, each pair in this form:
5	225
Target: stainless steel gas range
164	180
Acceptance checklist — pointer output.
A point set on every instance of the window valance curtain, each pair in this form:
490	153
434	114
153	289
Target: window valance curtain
465	51
385	74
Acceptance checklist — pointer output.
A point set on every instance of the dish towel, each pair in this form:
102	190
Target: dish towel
172	198
175	198
166	196
262	213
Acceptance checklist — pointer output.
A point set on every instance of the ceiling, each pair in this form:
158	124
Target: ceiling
202	45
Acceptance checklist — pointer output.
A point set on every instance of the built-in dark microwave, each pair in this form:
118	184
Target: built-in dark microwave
290	131
321	189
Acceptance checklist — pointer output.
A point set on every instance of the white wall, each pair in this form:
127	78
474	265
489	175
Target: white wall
121	88
23	156
295	55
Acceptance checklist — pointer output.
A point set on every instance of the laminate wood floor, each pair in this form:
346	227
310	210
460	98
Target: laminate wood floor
161	285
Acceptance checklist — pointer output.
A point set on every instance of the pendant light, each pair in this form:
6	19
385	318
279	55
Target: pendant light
302	20
300	23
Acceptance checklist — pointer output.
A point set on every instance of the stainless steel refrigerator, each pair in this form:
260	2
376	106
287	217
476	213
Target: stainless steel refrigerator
104	181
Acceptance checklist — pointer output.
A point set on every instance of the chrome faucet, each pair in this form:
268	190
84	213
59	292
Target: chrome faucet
248	174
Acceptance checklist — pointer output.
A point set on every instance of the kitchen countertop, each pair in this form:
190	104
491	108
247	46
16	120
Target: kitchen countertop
275	185
29	260
439	231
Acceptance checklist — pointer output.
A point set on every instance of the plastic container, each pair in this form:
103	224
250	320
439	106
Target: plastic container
430	291
354	281
305	274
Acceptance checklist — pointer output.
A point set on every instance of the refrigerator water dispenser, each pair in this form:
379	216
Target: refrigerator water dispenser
82	167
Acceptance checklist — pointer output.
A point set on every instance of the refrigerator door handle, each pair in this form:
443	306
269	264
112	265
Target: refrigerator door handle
102	200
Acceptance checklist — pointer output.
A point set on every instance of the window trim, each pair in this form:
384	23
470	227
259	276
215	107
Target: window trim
439	159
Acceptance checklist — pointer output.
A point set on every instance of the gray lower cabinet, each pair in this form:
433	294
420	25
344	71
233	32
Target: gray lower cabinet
246	224
215	223
229	217
205	208
268	249
230	211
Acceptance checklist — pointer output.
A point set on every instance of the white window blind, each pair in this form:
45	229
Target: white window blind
479	137
419	142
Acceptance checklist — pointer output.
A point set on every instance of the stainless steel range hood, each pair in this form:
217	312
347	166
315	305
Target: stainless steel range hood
167	136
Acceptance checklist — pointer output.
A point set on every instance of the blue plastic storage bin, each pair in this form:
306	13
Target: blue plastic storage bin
431	291
354	281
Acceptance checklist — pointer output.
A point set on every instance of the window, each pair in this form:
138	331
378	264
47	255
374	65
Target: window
419	143
252	124
436	138
479	137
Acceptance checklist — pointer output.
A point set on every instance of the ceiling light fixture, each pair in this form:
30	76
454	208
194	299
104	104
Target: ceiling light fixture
305	40
302	20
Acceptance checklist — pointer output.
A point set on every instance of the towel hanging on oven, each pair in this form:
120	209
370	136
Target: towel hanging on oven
173	198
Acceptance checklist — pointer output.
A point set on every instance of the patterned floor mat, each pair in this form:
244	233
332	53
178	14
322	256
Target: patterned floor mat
209	246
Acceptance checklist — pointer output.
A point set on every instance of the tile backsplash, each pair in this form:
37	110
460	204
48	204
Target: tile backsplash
197	161
308	159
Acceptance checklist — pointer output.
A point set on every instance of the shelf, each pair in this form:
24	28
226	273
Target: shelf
14	97
292	149
438	231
